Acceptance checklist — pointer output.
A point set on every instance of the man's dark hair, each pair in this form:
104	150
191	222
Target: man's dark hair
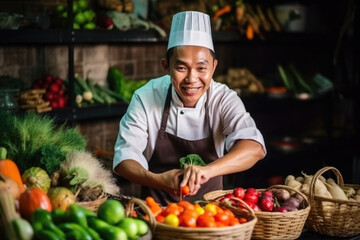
170	52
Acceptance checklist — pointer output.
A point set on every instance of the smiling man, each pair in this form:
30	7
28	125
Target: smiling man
186	112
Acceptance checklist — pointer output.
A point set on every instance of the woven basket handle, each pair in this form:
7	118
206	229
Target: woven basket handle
289	189
339	179
247	207
130	208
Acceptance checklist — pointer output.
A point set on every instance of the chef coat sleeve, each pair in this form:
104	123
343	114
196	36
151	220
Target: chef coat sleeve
237	122
133	135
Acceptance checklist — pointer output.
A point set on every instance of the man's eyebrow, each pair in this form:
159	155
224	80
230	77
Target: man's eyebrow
179	62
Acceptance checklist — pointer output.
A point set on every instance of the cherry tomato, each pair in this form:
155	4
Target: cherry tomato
211	207
188	220
172	220
222	217
185	190
206	221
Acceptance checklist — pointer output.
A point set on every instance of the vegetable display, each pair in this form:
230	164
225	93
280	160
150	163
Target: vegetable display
23	135
193	215
324	187
119	84
32	199
273	200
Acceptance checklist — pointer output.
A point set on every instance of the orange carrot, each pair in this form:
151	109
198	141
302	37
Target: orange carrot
249	32
221	11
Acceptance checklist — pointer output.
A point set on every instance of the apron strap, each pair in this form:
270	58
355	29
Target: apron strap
166	110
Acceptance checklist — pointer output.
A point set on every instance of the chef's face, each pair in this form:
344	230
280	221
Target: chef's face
191	69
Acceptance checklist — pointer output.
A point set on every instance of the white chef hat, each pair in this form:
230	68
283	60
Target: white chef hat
191	28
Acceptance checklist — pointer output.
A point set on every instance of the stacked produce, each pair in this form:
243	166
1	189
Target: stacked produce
193	215
88	93
119	84
38	219
241	80
33	101
53	90
84	17
275	200
324	187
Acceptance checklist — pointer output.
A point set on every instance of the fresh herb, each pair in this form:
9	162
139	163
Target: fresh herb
49	158
191	159
24	134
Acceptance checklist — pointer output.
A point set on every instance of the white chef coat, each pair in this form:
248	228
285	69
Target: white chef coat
139	127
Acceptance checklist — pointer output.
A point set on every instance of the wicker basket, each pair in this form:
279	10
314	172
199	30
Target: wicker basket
162	231
274	225
93	205
332	217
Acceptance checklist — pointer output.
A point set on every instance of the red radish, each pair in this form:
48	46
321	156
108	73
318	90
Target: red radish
49	96
58	81
280	209
61	92
48	78
54	104
54	88
239	192
61	102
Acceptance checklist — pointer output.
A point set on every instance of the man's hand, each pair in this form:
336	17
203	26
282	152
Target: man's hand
194	176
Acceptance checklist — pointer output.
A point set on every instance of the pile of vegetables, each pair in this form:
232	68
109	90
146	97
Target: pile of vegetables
88	93
273	200
193	215
324	187
122	86
33	140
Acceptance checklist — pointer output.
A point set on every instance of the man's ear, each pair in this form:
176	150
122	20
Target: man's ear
164	64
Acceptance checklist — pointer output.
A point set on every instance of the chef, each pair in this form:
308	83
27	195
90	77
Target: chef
186	112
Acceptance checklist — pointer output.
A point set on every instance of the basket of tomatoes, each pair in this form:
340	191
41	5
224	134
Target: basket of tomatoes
203	220
281	210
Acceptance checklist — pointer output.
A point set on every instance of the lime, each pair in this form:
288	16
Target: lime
79	18
90	25
89	15
60	9
75	7
119	234
111	211
142	226
129	225
82	4
76	25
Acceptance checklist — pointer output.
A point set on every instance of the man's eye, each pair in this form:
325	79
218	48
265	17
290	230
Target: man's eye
181	68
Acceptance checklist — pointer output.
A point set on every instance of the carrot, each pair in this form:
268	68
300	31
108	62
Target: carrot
221	11
249	32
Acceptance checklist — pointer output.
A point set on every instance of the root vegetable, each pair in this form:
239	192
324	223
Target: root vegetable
300	179
305	188
281	194
320	188
335	191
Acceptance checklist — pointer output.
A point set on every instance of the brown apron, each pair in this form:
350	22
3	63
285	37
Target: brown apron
170	148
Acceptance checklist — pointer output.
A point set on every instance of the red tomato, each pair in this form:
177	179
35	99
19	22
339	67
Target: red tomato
31	199
188	220
185	190
239	192
223	218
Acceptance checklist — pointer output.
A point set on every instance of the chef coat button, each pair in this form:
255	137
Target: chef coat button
181	112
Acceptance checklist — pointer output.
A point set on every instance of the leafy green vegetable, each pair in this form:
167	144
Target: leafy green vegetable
119	84
191	159
49	158
24	134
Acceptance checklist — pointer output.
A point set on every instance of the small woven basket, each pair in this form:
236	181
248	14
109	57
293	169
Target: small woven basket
162	231
274	225
93	205
338	218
